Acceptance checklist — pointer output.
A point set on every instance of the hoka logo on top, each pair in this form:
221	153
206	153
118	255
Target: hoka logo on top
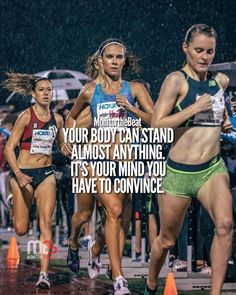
211	83
42	132
107	105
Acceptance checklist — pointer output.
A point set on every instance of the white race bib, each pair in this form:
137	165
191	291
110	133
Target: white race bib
214	116
42	141
110	111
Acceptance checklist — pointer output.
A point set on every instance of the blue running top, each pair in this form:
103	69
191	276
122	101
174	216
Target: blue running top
104	107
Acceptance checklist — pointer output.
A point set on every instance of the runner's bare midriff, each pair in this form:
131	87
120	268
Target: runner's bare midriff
27	160
197	144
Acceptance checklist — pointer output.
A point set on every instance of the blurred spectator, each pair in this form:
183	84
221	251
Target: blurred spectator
65	197
5	131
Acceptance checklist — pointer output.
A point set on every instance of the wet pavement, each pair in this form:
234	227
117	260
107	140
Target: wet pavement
21	279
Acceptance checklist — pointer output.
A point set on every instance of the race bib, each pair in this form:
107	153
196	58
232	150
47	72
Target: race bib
214	116
42	141
111	113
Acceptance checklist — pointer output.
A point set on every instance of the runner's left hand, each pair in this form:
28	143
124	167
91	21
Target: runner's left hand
66	149
122	101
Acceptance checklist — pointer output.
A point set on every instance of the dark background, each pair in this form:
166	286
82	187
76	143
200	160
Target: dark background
40	35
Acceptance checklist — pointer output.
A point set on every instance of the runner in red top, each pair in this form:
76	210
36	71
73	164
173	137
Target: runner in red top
35	131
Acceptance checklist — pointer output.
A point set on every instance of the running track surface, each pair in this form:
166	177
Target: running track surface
21	280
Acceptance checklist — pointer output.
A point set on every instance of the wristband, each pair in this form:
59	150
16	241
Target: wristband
17	171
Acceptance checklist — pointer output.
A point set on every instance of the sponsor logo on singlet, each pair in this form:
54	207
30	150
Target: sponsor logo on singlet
211	83
110	111
42	133
107	105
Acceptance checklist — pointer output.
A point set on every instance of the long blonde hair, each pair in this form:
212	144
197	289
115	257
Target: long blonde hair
20	83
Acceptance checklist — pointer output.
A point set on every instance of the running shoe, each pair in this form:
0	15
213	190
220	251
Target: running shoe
10	201
73	259
43	281
148	291
138	257
94	264
179	265
108	273
204	269
171	260
121	286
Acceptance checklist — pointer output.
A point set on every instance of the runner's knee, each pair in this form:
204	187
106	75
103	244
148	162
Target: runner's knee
20	228
114	212
167	242
224	226
82	216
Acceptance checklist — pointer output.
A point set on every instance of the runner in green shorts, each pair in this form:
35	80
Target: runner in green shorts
192	102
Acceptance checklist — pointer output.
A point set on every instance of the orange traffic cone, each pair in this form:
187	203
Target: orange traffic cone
170	287
12	263
12	252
